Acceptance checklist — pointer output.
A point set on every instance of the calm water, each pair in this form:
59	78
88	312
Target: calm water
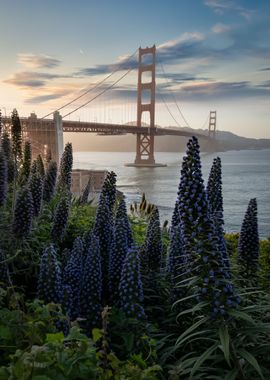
246	174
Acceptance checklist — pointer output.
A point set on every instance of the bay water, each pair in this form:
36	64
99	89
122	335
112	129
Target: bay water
246	174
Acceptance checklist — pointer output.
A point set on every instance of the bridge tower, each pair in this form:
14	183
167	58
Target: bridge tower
145	142
212	124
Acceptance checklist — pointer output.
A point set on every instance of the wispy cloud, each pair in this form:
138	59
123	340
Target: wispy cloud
265	69
32	79
221	28
38	61
222	6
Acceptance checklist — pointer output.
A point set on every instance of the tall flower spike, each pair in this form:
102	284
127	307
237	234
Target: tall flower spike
109	189
16	134
3	178
66	168
215	202
248	245
61	218
73	276
117	257
91	304
49	281
121	213
36	188
23	214
130	287
4	271
6	146
26	165
200	243
86	192
50	181
153	243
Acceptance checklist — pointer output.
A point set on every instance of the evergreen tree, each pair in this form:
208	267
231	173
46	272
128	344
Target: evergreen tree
91	303
60	219
66	168
50	181
23	213
3	178
130	287
16	134
36	188
121	213
152	249
248	245
26	165
117	257
49	281
200	243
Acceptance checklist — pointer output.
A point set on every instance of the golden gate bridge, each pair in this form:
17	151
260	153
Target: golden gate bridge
48	132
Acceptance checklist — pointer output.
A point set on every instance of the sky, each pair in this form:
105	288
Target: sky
211	55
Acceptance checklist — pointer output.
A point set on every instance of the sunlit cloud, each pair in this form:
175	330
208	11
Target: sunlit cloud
38	61
32	79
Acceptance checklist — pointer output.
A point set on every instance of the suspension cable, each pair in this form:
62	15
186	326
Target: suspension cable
168	109
98	95
118	68
173	95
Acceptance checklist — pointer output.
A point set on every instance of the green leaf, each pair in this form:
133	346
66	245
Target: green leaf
225	342
206	355
251	360
241	315
190	329
57	337
231	375
97	334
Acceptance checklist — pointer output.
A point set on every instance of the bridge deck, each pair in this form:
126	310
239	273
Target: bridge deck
104	128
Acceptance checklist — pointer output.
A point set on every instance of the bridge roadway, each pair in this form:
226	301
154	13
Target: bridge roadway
102	128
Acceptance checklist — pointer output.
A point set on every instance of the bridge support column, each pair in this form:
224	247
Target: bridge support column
212	124
145	142
59	137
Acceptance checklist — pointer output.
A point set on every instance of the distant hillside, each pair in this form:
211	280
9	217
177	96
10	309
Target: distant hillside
126	143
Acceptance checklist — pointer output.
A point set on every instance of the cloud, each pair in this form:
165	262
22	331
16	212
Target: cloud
32	79
186	46
222	6
38	61
223	90
265	69
221	28
45	98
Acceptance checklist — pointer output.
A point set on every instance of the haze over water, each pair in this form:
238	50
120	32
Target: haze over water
246	174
